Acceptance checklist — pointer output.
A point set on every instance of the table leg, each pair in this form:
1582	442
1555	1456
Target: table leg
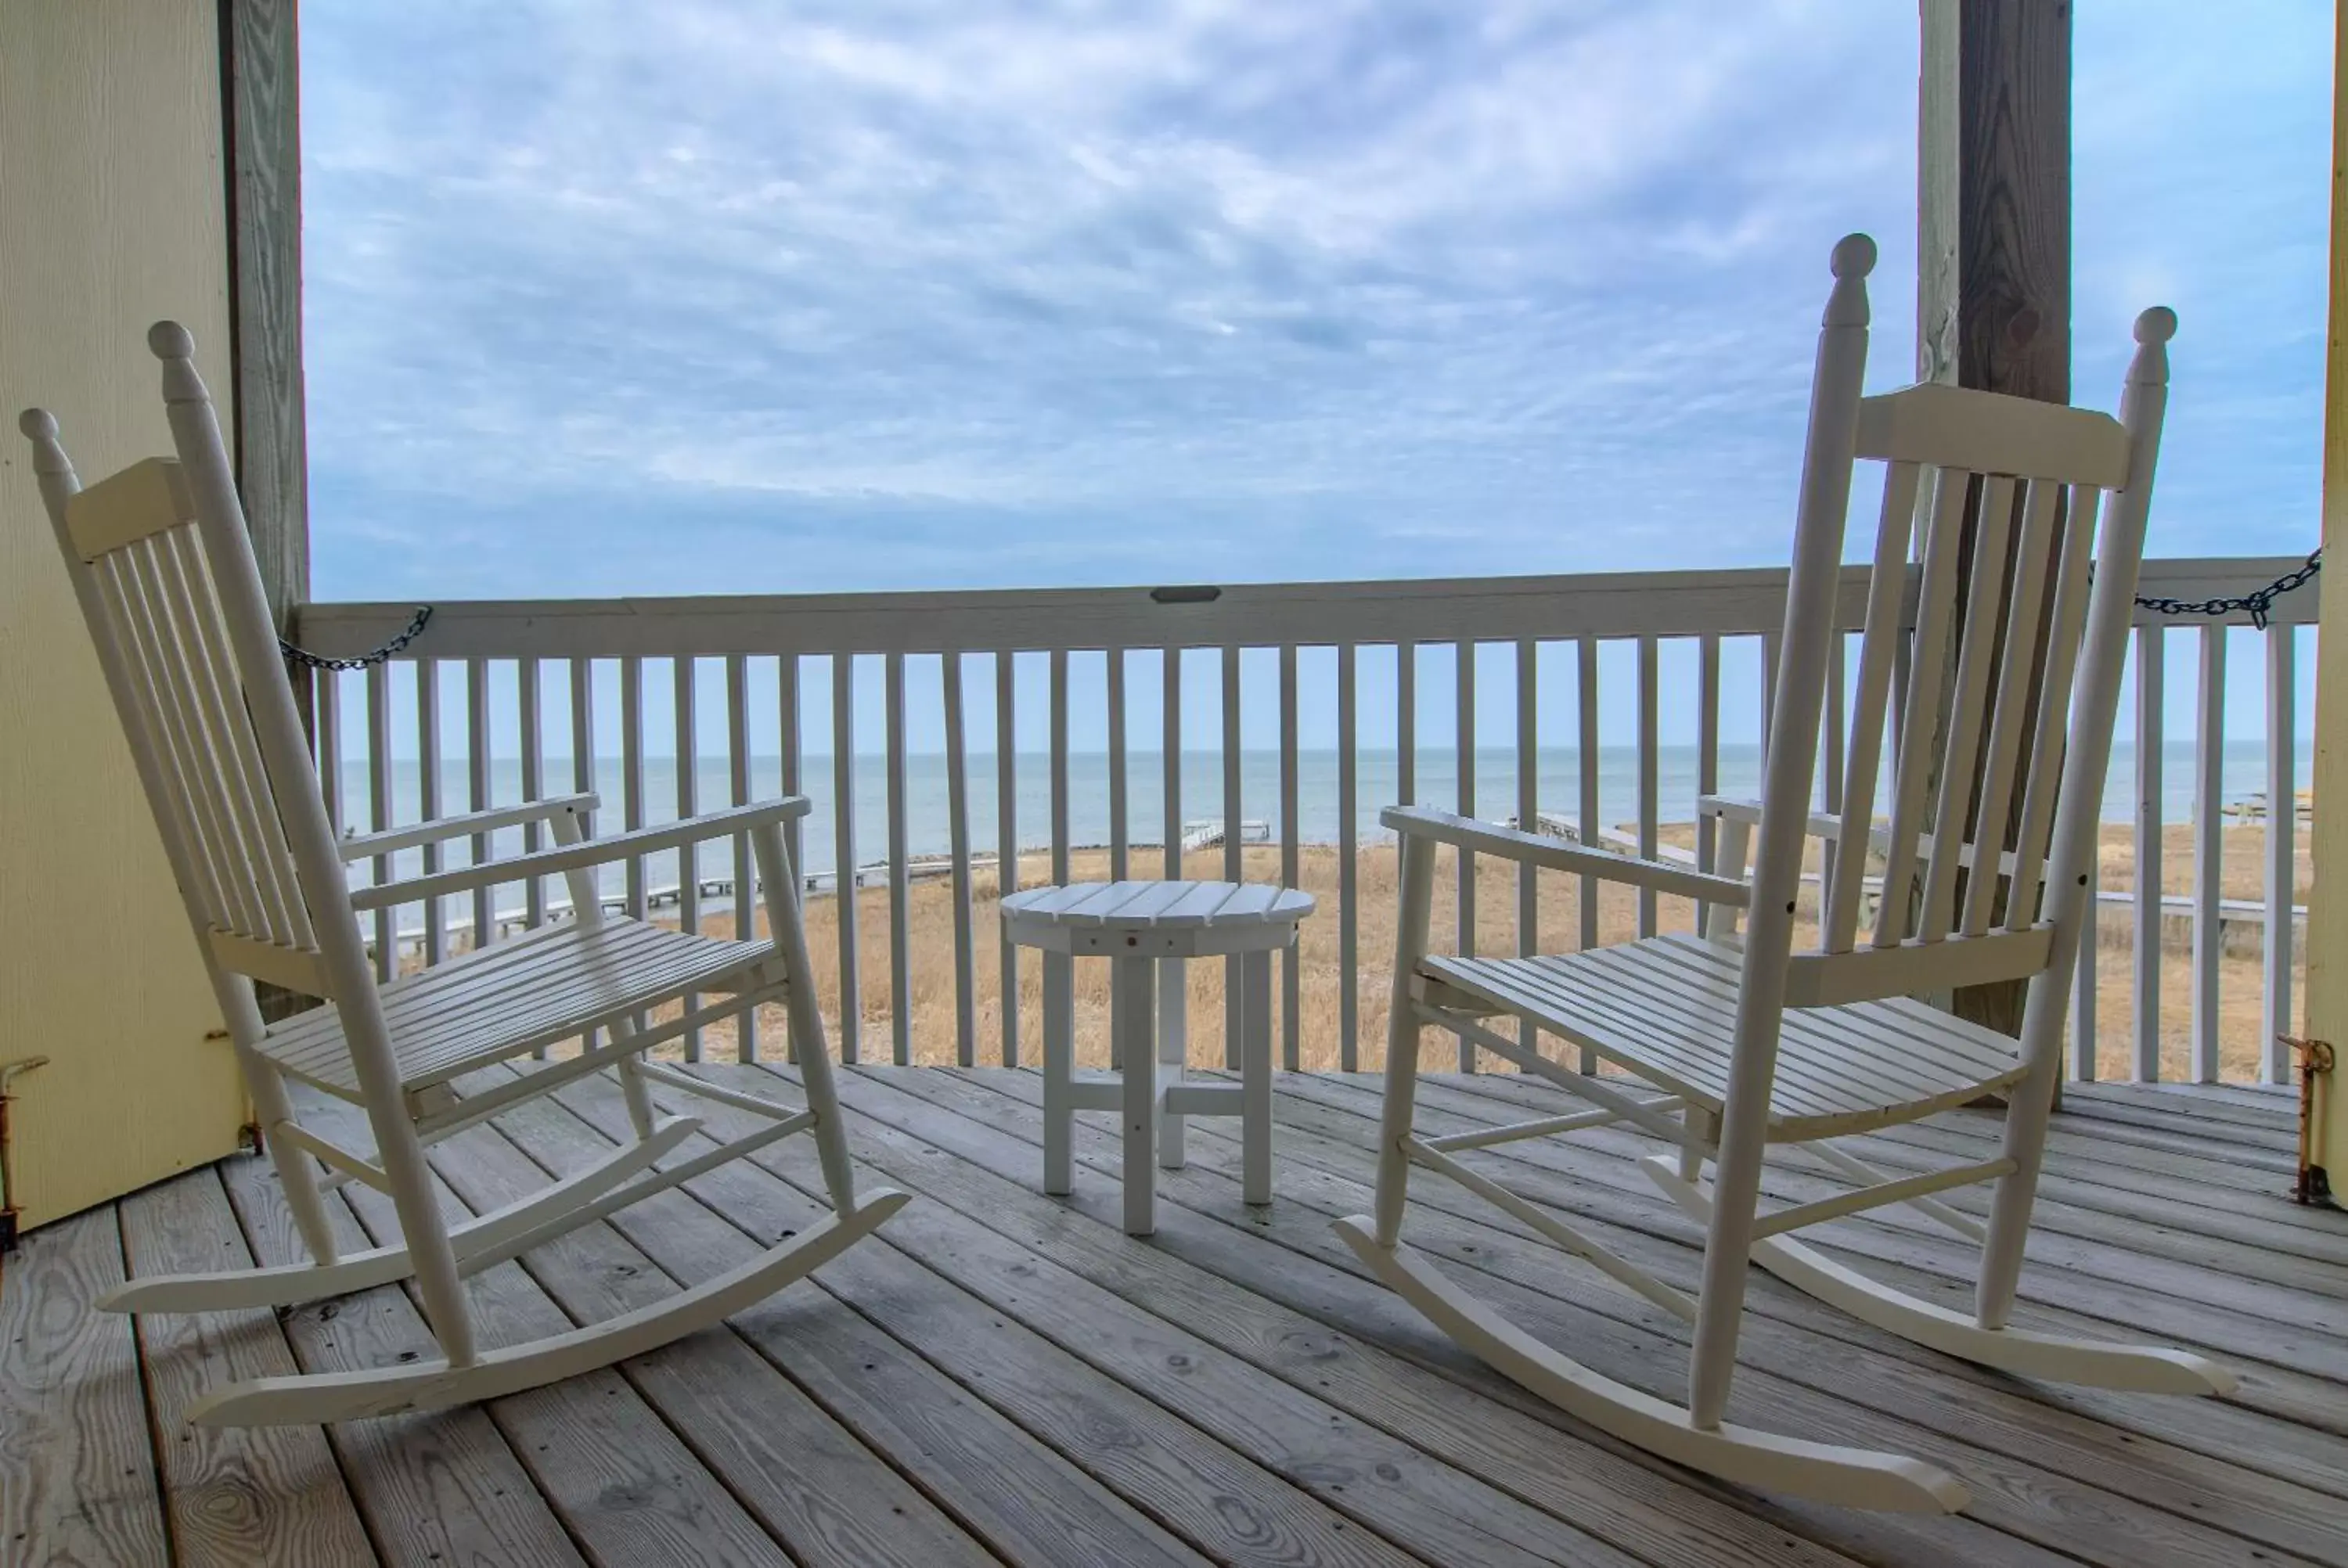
1173	1052
1255	1078
1132	1008
1059	1077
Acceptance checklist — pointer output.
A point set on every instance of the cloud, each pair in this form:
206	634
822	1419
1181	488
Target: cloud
918	294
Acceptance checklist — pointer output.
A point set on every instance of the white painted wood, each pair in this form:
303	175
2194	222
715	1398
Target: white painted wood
958	832
2150	704
1738	602
2065	619
1942	427
1349	865
1648	770
1234	1024
1150	929
1006	845
1120	855
532	732
2276	1017
1707	763
476	788
1527	747
900	854
2209	849
689	804
1855	1478
1754	1044
1173	991
1464	713
845	876
1291	979
427	796
1059	994
738	781
632	778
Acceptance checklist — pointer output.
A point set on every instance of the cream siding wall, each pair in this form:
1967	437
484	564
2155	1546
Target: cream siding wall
111	216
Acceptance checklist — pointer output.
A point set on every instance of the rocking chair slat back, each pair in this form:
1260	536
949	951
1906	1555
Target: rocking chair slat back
1979	749
186	701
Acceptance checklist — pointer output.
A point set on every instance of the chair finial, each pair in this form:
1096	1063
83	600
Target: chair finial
2154	328
1854	258
169	340
176	347
40	427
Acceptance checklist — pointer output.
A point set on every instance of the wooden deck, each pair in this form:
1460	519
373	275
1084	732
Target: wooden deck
1005	1377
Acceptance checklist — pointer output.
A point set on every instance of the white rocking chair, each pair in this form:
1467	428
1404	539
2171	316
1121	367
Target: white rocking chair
165	575
1750	1043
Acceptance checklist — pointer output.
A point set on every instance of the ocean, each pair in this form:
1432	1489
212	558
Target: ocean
928	827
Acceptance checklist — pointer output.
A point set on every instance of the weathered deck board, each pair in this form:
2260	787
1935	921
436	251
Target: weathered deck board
1003	1377
235	1494
1875	1402
76	1471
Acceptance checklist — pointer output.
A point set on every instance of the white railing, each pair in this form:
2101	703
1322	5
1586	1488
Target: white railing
538	678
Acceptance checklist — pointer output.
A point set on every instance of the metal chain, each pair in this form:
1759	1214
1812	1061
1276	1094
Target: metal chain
2257	603
305	659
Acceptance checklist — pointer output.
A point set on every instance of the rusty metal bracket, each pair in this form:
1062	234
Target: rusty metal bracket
8	1072
2316	1058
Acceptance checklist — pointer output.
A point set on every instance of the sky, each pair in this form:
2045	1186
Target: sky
730	297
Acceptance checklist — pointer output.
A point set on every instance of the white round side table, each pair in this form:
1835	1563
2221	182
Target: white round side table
1138	925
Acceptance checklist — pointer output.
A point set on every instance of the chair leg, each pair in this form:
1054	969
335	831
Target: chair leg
1133	1006
779	880
639	1099
1399	1104
297	1172
1728	1235
1059	1107
2028	1106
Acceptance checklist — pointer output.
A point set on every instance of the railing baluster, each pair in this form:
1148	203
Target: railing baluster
1464	746
1120	830
476	790
1648	679
1349	986
2275	1017
533	783
428	795
2149	700
1769	641
689	804
1006	843
632	776
900	875
1173	984
737	772
1233	866
1585	805
843	848
2208	850
378	723
1528	805
1291	977
329	741
787	725
1707	758
1830	767
2084	983
1059	976
582	770
958	832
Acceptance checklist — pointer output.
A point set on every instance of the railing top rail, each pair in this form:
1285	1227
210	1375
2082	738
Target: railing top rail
1741	602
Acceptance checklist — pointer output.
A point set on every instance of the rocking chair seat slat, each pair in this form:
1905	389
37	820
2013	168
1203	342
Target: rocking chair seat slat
501	1001
1666	1009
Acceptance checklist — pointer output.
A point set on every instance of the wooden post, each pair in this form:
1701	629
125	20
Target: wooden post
263	163
2327	920
1994	235
261	158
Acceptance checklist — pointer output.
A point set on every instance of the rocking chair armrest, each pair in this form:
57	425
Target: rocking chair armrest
1538	849
1879	837
580	857
391	840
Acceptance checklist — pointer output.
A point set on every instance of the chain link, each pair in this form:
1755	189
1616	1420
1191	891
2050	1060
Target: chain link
2257	603
304	659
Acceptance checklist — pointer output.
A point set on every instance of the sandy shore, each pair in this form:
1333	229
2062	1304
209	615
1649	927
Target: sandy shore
1556	921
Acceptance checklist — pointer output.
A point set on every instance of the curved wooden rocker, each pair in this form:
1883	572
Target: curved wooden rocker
162	568
2000	731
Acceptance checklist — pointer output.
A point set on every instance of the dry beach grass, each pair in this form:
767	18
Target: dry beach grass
932	1025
